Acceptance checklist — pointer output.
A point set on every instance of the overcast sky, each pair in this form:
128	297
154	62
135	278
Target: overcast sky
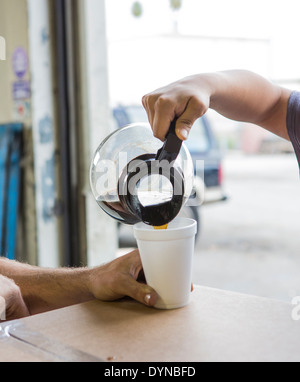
274	23
255	18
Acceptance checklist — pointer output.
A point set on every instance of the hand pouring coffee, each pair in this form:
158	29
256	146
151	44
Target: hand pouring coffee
134	179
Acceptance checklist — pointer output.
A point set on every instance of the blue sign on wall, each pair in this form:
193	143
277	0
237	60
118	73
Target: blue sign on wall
10	170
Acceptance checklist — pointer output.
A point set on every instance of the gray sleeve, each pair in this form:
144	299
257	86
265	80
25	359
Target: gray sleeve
293	122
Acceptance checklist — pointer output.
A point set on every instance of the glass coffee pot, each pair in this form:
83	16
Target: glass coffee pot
135	178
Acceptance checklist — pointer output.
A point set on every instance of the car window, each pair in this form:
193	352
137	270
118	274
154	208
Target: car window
115	123
198	140
121	116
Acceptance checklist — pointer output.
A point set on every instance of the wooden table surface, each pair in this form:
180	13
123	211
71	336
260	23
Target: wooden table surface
216	326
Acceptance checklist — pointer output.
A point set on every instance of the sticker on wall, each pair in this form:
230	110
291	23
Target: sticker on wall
21	90
20	62
45	35
21	110
46	130
48	189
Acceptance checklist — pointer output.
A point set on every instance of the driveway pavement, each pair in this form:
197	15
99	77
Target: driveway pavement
251	244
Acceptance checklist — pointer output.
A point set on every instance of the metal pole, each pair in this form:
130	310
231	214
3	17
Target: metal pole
69	157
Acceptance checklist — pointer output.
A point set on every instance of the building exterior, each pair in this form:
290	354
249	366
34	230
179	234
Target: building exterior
54	82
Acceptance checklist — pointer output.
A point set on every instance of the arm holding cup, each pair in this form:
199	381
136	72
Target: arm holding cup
30	290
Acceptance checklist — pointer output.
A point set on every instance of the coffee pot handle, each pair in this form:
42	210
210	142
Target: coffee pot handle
171	147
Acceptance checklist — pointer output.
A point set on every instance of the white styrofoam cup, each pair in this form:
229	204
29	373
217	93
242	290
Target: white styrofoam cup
167	258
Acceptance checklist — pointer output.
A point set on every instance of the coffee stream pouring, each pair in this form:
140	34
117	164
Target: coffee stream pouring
134	179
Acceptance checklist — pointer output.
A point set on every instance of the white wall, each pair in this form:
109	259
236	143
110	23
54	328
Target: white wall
43	120
101	229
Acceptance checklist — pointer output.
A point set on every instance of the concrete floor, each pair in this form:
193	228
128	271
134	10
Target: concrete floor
251	244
